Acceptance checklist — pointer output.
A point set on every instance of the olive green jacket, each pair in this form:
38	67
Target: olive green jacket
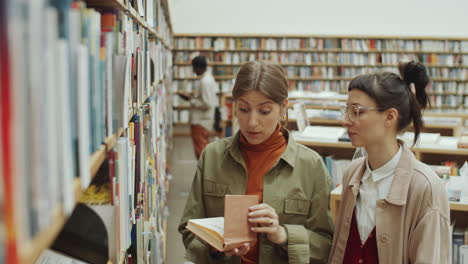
297	187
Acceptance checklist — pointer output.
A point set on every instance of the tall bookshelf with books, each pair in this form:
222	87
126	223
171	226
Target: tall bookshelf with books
319	69
85	93
327	63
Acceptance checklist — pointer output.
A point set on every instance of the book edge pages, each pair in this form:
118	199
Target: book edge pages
211	238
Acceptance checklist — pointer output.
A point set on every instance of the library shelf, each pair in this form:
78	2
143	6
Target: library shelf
132	13
32	249
335	198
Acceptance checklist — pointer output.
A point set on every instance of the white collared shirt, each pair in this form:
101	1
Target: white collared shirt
375	185
204	101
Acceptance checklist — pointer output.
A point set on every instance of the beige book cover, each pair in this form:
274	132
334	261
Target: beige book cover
228	232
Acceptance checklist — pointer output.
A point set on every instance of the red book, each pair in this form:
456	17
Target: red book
372	44
108	22
6	139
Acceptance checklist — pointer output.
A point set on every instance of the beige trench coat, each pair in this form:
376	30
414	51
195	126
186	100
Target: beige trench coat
412	223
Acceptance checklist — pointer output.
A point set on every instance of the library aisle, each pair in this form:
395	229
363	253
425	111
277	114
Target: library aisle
183	165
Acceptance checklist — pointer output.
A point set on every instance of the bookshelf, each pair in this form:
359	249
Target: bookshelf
327	63
110	42
31	250
443	129
426	153
335	198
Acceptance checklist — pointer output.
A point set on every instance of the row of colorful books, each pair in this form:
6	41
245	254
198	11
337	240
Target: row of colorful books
76	76
320	43
311	57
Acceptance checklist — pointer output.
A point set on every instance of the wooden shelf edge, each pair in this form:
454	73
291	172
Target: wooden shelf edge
182	107
339	121
164	42
454	206
99	156
324	107
33	249
181	134
112	140
97	159
344	145
320	120
77	190
108	3
152	32
425	150
417	150
335	196
181	123
448	114
294	99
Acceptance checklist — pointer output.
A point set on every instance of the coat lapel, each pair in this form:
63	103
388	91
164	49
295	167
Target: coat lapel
398	192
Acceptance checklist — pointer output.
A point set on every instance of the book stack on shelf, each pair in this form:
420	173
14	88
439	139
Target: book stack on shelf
328	63
83	77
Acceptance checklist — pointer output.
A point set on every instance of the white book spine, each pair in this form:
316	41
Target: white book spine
21	121
83	98
52	107
109	84
65	137
39	145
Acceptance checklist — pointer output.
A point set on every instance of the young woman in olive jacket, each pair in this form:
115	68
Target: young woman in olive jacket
293	220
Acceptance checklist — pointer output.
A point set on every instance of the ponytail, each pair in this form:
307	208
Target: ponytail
414	75
390	90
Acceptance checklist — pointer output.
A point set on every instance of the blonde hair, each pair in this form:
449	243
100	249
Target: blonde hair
265	77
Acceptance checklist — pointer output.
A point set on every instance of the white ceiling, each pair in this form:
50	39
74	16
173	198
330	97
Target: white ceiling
334	17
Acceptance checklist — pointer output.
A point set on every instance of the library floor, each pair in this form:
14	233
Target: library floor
183	165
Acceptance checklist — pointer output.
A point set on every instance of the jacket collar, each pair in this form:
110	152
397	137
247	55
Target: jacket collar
404	172
398	192
233	150
289	155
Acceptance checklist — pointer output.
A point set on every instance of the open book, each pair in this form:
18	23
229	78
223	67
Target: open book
230	231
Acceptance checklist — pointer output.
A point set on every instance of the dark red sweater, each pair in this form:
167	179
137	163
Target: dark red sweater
356	252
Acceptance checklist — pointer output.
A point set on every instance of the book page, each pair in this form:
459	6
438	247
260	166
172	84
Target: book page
215	224
322	133
301	116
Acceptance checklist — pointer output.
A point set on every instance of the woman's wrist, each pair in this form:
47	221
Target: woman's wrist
283	236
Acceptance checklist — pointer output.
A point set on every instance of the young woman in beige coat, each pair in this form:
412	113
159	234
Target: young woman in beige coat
394	208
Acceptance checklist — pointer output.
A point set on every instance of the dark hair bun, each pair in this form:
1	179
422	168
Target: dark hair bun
416	73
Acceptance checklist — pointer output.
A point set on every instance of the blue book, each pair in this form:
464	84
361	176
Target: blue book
136	120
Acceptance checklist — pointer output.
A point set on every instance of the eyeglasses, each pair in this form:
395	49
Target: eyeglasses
353	111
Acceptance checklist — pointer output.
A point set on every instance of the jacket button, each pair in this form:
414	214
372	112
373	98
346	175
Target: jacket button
382	204
384	238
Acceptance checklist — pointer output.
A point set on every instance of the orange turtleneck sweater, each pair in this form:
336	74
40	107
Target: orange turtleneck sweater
259	159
